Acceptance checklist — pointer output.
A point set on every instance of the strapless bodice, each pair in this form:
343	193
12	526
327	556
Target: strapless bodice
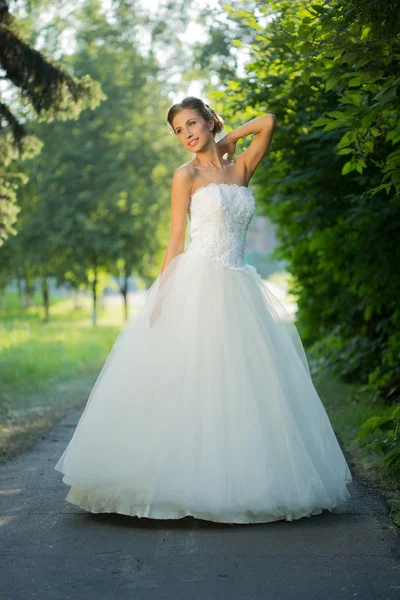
219	216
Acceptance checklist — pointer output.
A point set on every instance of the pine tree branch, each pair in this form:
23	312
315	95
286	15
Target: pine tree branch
41	81
17	130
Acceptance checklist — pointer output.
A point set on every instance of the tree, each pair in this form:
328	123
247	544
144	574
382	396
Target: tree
330	73
39	86
100	182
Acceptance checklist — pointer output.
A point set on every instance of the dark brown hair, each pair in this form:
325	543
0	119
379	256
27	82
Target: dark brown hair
200	107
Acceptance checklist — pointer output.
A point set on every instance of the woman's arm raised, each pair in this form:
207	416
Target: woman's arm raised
263	129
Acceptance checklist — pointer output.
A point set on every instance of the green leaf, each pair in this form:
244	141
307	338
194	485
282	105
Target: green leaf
347	138
348	167
394	136
336	114
392	457
355	81
352	98
368	312
331	82
365	32
345	151
369	427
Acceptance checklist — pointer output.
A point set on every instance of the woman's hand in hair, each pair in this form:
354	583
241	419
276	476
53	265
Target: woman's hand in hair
227	145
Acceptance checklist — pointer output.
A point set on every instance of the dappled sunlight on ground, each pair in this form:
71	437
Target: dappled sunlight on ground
11	492
6	520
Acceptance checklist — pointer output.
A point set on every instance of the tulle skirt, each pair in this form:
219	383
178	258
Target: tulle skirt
206	407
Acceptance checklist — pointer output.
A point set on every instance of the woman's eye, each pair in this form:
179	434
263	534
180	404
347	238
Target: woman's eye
190	123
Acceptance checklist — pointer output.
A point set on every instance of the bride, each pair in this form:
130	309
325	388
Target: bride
205	405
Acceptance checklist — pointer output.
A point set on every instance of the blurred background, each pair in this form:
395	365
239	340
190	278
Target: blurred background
87	160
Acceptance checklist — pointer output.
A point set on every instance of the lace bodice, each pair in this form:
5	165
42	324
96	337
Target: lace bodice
219	216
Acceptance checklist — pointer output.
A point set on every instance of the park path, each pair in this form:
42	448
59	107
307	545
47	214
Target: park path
51	550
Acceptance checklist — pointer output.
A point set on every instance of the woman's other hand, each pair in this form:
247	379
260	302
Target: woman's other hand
226	146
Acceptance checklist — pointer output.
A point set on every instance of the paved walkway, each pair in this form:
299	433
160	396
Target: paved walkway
51	550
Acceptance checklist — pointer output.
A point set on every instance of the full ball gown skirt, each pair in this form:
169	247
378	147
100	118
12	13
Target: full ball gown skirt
205	405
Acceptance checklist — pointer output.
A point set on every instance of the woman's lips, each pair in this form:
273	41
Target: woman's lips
193	142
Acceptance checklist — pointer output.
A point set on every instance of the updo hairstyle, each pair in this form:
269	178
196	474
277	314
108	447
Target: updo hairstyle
201	108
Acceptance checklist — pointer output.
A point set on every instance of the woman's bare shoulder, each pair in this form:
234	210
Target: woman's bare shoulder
183	178
186	171
185	175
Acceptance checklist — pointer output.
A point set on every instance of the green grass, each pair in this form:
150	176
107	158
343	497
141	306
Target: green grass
47	370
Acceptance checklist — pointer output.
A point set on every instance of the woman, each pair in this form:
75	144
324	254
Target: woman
205	405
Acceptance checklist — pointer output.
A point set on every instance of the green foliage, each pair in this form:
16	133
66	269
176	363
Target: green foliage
330	181
45	89
33	357
47	372
99	189
330	73
389	443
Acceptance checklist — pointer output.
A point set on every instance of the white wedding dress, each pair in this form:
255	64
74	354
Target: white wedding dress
205	405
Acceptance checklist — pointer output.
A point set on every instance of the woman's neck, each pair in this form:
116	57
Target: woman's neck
209	158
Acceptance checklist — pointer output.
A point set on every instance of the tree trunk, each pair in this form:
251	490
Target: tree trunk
29	292
3	297
20	290
94	292
45	296
124	292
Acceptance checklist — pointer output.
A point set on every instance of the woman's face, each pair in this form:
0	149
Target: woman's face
192	130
